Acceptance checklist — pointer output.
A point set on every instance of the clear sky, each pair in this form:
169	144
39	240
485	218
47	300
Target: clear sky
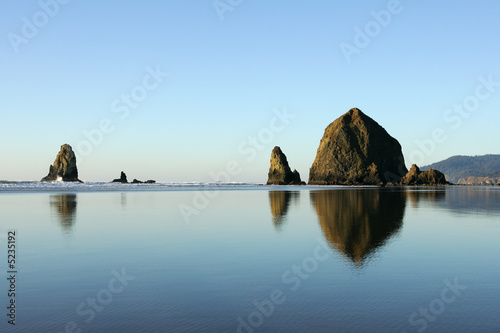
175	90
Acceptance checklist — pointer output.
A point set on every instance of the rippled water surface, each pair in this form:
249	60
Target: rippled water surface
248	258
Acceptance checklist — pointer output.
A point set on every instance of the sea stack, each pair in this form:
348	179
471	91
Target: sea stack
122	179
280	172
429	177
64	167
150	181
356	150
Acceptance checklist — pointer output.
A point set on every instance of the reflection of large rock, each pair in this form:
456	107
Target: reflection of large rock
65	207
429	177
357	222
64	167
280	172
280	202
355	149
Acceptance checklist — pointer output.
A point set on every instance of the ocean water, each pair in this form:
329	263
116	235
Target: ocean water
248	258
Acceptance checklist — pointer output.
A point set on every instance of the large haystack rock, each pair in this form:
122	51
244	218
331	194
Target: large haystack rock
64	167
280	172
356	150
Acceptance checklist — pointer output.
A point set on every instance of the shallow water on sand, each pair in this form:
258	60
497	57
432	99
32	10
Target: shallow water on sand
252	259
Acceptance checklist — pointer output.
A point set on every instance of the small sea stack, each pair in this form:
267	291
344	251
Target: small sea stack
280	172
429	177
122	179
150	181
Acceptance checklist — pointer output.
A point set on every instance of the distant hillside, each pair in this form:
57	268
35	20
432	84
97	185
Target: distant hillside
495	174
459	167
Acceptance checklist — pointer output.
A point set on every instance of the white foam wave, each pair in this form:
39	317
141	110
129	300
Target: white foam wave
60	186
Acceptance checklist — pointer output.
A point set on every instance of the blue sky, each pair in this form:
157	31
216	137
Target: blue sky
66	67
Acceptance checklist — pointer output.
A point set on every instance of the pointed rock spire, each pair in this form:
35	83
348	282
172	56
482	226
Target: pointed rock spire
64	167
280	172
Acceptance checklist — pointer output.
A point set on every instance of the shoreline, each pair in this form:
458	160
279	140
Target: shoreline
10	187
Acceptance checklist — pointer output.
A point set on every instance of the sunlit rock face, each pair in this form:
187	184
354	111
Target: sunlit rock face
355	149
280	172
429	177
358	222
64	167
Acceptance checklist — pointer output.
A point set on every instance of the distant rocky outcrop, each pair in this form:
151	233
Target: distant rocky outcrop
64	167
354	150
280	172
135	181
122	179
492	179
429	177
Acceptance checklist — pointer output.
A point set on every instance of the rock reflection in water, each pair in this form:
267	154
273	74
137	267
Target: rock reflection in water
359	221
280	202
431	194
457	199
123	198
65	207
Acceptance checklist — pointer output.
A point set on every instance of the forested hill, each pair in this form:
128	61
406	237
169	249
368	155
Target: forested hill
457	167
